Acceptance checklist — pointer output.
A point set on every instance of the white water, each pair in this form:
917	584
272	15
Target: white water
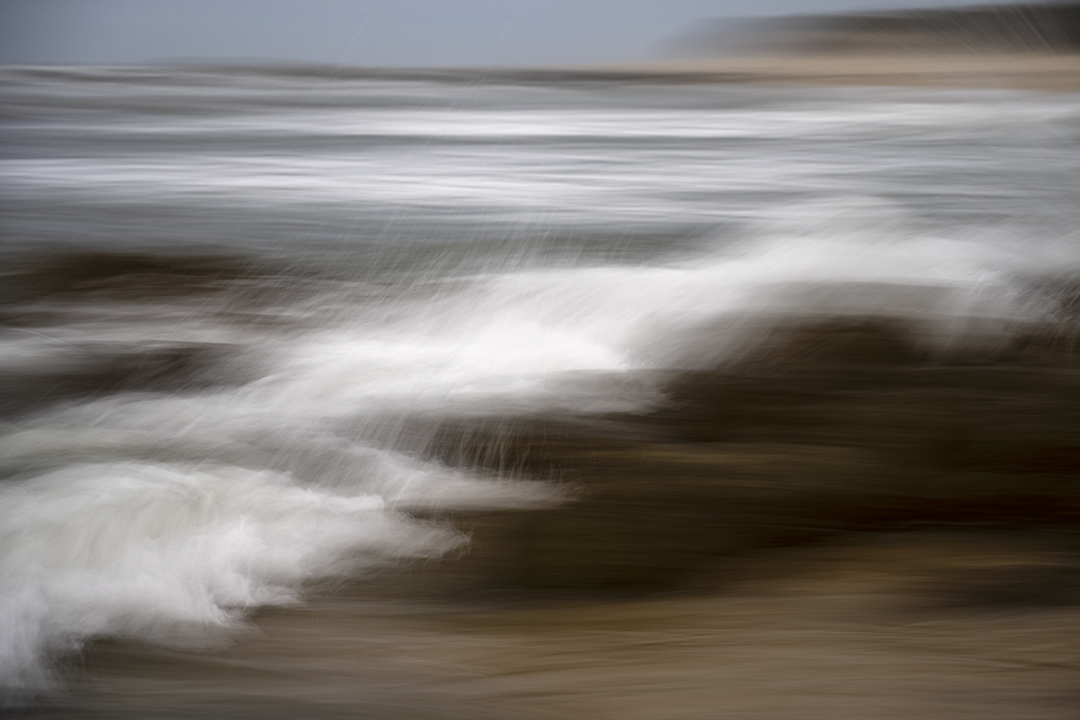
164	516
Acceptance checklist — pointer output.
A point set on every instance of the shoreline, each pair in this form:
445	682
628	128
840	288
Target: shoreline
1048	73
1032	72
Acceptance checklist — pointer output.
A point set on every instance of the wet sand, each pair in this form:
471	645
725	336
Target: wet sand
843	526
883	628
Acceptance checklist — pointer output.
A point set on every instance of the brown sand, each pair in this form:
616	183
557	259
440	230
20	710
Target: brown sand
1056	73
879	629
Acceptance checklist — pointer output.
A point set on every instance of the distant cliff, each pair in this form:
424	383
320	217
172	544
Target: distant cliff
1032	28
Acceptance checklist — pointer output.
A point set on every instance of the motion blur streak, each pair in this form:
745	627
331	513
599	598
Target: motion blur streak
285	338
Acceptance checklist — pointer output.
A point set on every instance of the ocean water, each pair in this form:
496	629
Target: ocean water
239	305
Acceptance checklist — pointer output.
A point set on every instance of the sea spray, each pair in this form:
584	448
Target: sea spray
171	553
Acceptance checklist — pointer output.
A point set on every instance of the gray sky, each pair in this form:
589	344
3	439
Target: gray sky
370	32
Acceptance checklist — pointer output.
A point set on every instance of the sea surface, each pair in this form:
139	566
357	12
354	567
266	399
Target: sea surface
241	306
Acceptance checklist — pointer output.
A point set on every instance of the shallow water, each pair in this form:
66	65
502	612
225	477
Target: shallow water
264	332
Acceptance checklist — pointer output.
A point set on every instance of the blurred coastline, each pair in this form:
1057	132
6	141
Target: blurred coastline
1023	46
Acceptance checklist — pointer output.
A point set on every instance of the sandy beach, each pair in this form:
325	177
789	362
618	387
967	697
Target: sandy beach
1030	71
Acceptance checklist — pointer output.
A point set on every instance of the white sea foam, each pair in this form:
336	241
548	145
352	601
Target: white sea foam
163	516
154	550
169	553
521	339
